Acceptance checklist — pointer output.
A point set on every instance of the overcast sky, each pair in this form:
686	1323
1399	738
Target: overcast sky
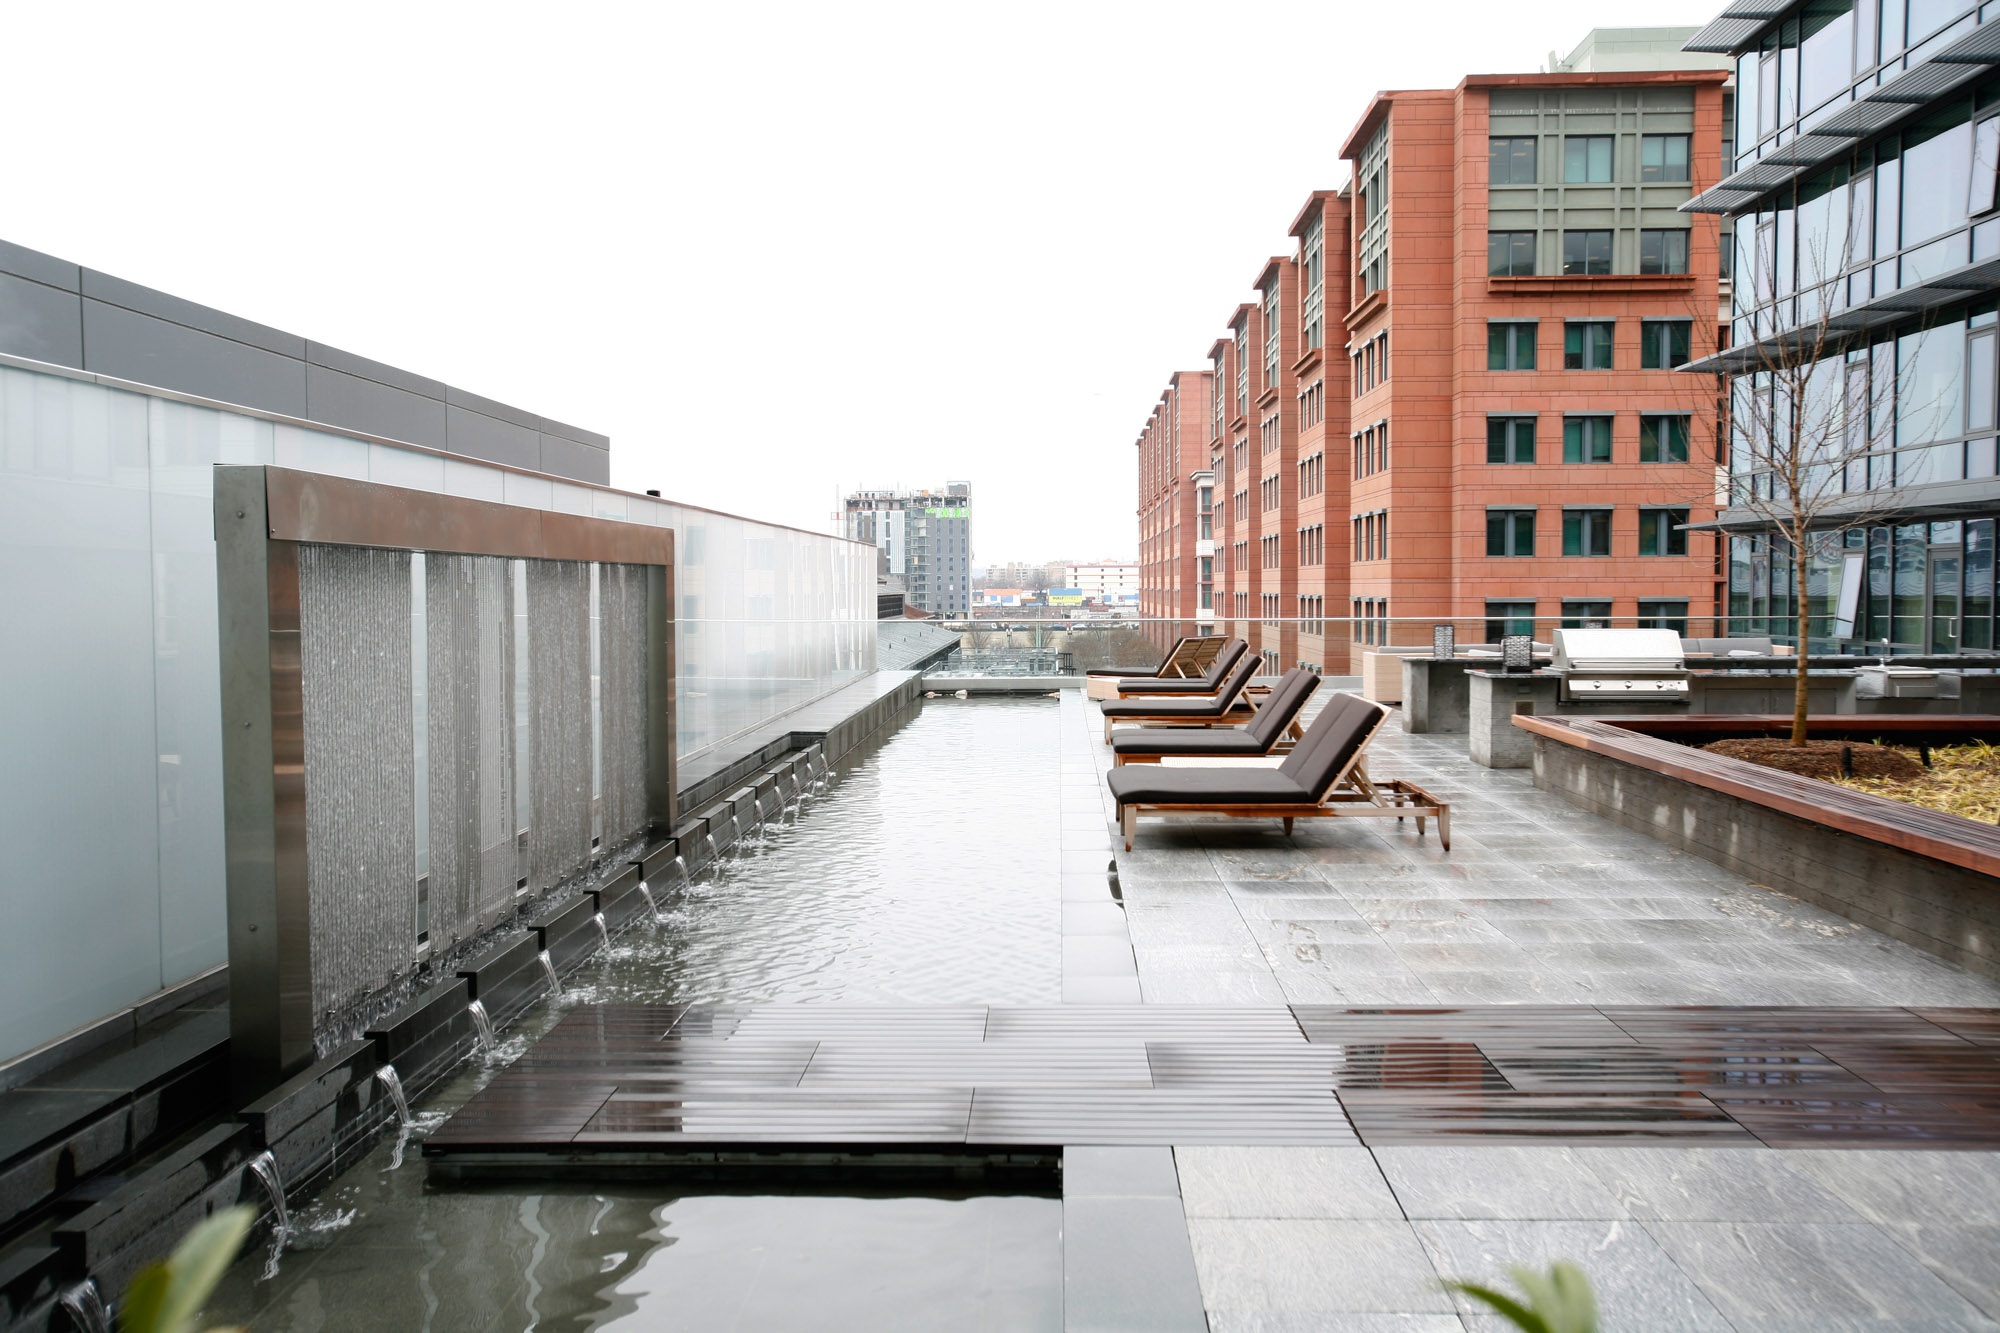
775	251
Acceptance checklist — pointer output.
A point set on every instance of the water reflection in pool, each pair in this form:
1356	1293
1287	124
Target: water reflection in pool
927	874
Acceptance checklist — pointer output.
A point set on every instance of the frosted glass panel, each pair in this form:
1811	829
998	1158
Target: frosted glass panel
78	789
110	764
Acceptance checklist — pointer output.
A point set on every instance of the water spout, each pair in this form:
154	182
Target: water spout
714	852
549	970
652	908
482	1026
84	1305
264	1168
681	871
603	932
393	1085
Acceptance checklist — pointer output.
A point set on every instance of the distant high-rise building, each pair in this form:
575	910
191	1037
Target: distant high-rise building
926	540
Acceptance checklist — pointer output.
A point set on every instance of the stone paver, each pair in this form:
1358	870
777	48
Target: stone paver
1538	902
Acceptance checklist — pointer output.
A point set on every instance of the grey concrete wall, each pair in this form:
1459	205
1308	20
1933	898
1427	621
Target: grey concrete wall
55	311
1945	909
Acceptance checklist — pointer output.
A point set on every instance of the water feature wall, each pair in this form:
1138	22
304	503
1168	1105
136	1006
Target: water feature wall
360	810
109	693
469	657
381	701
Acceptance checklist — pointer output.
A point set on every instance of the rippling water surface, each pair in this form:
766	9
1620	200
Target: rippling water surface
928	873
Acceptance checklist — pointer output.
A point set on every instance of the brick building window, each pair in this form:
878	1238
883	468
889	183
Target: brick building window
1587	532
1510	532
1663	251
1587	343
1661	532
1272	340
1510	254
1510	345
1510	160
1313	258
1663	439
1586	253
1504	618
1663	343
1586	615
1510	439
1671	613
1663	157
1586	439
1587	159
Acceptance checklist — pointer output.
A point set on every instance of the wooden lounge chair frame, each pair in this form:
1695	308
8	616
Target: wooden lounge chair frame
1352	794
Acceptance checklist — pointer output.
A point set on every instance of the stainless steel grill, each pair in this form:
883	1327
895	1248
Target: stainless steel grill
1597	665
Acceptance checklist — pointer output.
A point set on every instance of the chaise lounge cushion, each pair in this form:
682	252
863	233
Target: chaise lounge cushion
1153	784
1207	706
1255	737
1203	684
1342	728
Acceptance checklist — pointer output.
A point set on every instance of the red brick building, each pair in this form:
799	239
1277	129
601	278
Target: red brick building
1172	455
1510	284
1525	453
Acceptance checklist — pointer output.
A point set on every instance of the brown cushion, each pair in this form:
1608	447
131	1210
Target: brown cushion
1188	740
1154	784
1199	706
1341	728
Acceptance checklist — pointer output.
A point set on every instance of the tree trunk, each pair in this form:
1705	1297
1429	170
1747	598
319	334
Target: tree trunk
1800	680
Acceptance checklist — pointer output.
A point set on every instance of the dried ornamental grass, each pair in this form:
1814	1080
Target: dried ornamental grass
1962	780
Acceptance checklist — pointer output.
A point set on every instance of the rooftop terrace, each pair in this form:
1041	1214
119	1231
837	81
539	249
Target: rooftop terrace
1293	1082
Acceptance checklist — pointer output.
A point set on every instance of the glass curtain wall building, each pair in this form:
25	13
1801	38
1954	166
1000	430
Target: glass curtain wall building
1862	212
110	753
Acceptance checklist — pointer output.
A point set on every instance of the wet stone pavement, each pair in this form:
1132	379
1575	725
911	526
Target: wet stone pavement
1551	936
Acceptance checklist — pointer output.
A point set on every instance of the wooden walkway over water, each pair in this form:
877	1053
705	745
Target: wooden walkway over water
628	1082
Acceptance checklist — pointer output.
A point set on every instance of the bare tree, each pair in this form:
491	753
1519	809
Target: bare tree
1812	406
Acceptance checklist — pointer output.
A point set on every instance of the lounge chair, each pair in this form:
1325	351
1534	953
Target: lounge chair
1324	775
1265	733
1174	664
1225	707
1208	682
1187	659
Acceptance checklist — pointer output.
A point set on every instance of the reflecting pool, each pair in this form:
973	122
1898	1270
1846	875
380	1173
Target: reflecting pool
928	872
